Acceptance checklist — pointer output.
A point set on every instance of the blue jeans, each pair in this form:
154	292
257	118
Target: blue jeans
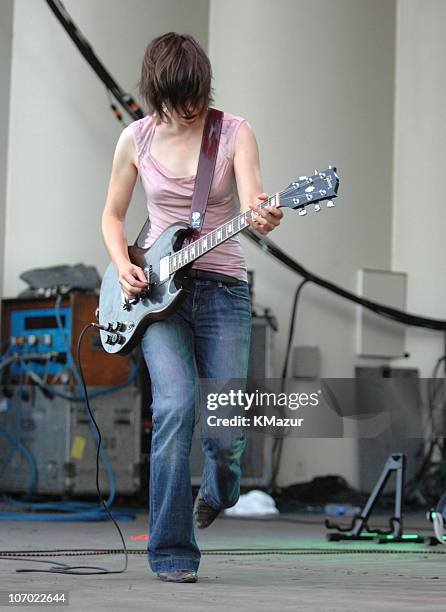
206	337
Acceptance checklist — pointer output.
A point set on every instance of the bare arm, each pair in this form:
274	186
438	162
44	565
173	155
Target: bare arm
249	181
122	182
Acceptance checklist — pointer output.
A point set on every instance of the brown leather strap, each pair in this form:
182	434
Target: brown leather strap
205	170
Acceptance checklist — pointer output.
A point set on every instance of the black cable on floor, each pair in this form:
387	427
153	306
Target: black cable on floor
19	555
76	569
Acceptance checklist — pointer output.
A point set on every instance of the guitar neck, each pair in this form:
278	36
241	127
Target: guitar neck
199	247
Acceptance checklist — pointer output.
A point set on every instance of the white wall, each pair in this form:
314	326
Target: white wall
6	11
419	223
61	132
315	80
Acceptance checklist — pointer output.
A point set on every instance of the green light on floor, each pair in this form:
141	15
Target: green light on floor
406	536
374	534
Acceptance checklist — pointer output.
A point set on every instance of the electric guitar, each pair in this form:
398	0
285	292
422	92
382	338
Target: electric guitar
123	320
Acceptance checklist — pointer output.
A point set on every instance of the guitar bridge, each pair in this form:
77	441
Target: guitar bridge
148	271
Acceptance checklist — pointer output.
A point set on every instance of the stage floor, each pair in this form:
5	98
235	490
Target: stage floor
309	581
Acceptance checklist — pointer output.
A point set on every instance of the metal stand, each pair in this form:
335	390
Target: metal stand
359	530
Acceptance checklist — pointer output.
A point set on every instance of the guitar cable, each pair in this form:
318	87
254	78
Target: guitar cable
86	570
278	442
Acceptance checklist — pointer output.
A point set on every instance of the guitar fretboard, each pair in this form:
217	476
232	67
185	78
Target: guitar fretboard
199	247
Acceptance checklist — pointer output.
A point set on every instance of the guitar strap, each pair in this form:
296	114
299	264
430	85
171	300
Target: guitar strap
205	170
205	173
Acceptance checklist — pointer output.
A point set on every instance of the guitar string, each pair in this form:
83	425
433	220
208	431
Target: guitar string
180	254
198	245
237	220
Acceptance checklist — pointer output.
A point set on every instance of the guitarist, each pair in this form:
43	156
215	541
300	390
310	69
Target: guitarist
208	335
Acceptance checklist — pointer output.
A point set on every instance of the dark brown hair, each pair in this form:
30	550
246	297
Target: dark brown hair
177	72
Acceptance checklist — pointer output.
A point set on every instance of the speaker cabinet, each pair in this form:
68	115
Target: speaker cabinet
397	391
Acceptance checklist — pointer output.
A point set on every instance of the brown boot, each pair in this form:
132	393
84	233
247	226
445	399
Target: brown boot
204	514
178	576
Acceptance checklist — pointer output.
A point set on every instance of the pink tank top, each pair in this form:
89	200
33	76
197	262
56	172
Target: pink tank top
169	198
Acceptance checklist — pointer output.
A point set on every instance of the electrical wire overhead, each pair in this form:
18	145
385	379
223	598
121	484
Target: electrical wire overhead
125	99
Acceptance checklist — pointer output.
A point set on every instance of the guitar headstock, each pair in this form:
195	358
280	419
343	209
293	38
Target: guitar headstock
306	190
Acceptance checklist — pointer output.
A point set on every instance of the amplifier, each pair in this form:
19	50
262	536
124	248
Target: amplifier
34	325
57	435
375	393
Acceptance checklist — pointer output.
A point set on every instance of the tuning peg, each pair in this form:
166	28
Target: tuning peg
330	204
317	207
302	212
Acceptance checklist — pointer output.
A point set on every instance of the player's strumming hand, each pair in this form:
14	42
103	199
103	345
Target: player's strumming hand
132	279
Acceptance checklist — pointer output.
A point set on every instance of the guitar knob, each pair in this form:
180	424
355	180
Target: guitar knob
302	212
116	326
317	207
330	204
112	339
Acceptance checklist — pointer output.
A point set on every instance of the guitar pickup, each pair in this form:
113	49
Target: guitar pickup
164	268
